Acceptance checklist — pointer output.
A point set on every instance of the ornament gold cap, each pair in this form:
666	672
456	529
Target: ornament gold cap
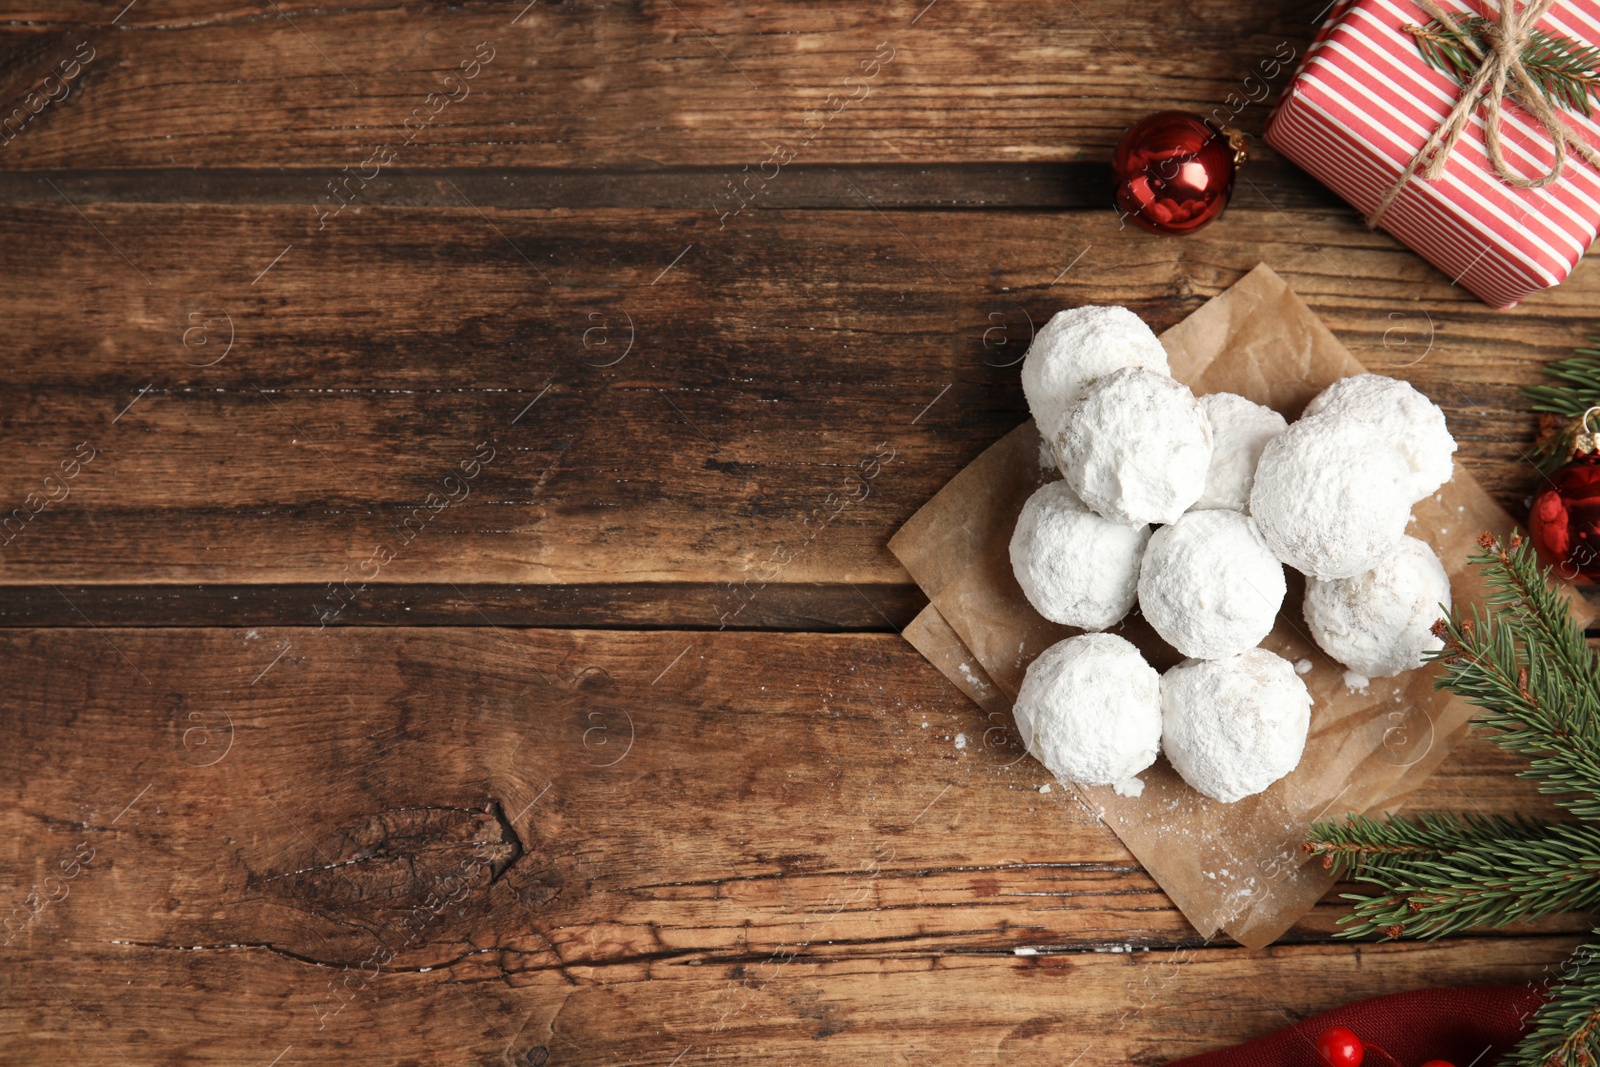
1586	441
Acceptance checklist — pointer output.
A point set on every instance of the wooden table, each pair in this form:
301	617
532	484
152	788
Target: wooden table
405	405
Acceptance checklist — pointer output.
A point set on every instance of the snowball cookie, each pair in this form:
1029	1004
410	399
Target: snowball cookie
1135	447
1240	429
1332	497
1075	567
1381	622
1234	726
1210	585
1403	417
1074	348
1092	706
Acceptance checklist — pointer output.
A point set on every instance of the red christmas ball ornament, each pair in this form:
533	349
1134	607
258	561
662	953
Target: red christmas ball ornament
1340	1047
1174	171
1564	522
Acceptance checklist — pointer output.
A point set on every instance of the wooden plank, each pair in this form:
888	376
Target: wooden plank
606	846
772	363
1272	184
169	83
816	608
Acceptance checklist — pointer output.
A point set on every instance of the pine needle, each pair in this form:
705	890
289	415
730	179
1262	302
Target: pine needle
1525	663
1565	71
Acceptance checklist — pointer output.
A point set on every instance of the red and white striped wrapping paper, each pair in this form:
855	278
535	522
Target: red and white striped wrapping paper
1365	101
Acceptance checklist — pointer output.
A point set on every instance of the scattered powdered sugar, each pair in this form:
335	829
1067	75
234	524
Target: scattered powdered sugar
1231	727
1302	666
1130	787
1381	622
973	680
1240	429
1074	567
1209	584
1332	497
961	742
1045	788
1356	683
1135	447
1399	414
1076	347
1092	707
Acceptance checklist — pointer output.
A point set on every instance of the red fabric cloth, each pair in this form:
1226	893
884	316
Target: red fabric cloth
1469	1027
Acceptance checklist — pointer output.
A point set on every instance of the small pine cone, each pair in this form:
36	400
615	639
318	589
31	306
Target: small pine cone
1549	426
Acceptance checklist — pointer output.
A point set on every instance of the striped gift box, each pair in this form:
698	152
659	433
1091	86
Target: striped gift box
1364	101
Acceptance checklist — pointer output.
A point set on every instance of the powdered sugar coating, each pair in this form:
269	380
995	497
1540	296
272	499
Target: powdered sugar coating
1209	584
1380	623
1332	497
1077	346
1240	429
1091	708
1402	416
1074	567
1232	727
1135	447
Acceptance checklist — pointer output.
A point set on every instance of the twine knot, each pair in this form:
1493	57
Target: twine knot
1500	71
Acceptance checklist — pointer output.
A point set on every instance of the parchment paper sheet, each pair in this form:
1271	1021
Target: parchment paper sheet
1231	867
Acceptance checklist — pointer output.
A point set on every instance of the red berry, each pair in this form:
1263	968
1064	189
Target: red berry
1340	1047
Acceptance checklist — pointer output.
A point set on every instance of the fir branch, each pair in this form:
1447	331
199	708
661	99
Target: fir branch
1487	881
1359	844
1581	373
1521	588
1565	1031
1566	72
1525	663
1529	668
1580	391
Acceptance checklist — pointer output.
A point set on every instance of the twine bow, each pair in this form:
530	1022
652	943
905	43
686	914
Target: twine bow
1499	72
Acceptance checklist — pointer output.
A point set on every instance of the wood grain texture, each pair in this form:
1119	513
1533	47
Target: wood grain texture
181	83
605	846
770	360
308	414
